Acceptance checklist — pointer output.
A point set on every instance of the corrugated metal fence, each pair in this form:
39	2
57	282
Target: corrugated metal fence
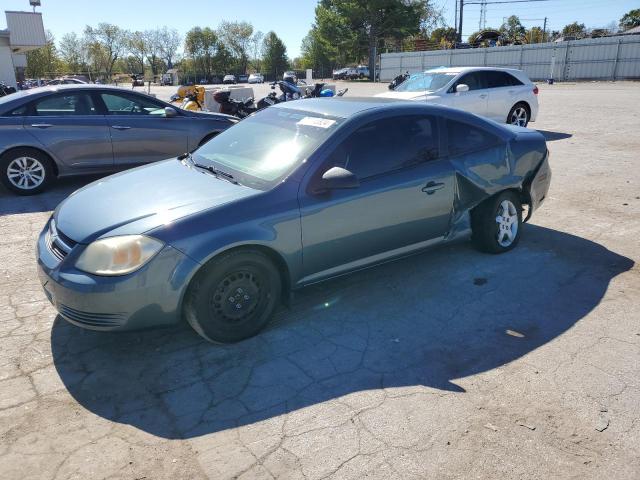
609	58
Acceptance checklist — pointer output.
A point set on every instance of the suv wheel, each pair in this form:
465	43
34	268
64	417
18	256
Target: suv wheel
519	115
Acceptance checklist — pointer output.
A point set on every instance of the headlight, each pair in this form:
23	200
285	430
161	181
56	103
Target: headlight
118	255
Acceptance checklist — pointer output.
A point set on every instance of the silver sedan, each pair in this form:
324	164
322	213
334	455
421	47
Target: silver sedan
68	130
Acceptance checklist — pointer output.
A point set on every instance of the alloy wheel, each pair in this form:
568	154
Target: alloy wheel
26	173
519	117
507	221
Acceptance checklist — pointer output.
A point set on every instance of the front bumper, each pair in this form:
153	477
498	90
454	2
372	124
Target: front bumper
148	297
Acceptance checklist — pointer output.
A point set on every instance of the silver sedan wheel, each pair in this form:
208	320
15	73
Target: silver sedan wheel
519	117
26	173
507	221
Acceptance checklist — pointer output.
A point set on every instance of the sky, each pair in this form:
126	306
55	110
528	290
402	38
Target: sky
292	20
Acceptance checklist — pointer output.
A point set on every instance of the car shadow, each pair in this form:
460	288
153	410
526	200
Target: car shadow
553	136
10	203
423	321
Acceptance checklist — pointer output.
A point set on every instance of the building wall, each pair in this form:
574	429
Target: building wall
609	58
7	73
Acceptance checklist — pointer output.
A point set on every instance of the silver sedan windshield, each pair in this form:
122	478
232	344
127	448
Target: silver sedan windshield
420	82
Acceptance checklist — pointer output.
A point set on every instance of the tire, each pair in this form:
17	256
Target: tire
493	236
233	296
26	171
519	115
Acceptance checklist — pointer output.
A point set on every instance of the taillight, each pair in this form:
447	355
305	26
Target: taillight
535	89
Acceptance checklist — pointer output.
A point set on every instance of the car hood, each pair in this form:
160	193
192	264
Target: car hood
142	199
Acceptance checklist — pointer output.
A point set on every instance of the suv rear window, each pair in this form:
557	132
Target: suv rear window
497	79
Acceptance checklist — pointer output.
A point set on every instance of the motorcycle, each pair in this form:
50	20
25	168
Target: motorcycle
6	89
230	106
289	92
398	80
191	102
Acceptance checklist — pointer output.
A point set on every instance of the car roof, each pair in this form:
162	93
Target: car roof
471	69
344	107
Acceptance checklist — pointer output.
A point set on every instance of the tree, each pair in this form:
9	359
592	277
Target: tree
512	30
43	61
153	41
535	35
274	55
106	43
206	50
137	46
256	45
375	20
444	37
73	53
169	44
630	19
237	37
574	29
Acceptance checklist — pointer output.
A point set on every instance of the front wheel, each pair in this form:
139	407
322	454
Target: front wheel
233	296
496	223
519	115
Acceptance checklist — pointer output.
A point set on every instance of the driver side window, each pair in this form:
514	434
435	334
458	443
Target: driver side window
388	145
475	81
118	104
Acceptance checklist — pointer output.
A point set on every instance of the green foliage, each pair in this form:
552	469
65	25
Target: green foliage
274	55
44	60
512	30
630	19
574	29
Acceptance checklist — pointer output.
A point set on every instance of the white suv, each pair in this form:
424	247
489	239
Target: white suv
505	95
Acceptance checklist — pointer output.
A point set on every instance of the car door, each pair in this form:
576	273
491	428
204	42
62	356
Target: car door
404	199
503	94
70	127
140	131
476	99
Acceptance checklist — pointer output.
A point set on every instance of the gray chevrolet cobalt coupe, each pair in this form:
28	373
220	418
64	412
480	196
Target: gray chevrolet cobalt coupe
295	194
65	130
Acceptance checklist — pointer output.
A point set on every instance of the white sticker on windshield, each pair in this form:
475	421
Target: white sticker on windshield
316	122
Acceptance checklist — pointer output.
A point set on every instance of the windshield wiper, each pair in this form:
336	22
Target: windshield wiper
214	171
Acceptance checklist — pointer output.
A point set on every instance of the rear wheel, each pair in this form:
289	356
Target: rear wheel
26	171
497	223
233	296
519	115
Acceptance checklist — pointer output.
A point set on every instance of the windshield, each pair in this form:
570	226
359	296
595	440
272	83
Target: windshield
263	149
419	82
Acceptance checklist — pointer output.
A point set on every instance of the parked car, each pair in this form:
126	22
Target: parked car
256	78
137	80
243	78
505	95
66	81
229	79
362	71
297	193
51	132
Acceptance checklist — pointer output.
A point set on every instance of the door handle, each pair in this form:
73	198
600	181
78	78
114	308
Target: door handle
120	127
431	187
484	95
41	125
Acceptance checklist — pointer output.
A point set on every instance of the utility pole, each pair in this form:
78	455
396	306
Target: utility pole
460	22
544	30
455	19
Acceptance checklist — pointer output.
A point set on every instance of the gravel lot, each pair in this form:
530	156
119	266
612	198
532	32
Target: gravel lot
450	364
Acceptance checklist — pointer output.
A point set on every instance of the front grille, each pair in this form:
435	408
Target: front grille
92	319
58	243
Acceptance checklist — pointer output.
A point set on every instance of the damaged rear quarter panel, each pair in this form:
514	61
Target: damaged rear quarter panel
509	165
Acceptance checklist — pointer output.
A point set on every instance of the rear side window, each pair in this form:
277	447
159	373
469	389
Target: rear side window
17	112
465	138
498	79
387	145
64	105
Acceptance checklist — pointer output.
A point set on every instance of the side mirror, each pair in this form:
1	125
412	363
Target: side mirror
462	87
337	178
170	112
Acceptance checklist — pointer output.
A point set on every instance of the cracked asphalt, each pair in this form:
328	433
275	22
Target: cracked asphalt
448	364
